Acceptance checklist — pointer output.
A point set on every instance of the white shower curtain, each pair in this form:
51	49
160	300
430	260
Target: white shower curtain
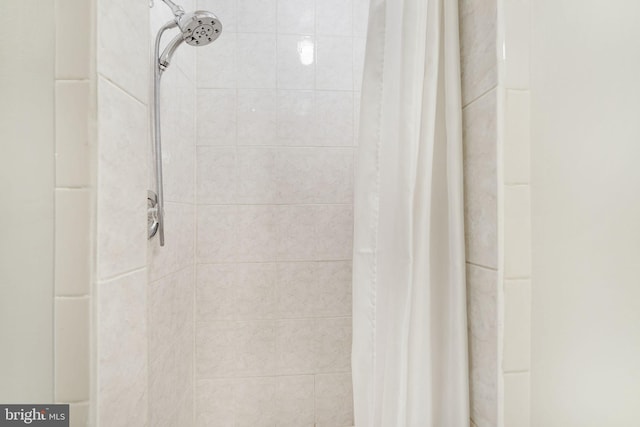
410	363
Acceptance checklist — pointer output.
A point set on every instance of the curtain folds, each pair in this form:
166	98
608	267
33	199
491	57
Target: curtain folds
410	363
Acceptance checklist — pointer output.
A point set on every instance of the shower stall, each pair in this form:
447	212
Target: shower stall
239	163
243	316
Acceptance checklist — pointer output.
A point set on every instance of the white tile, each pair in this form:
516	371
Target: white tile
122	182
178	104
297	346
256	347
256	59
360	17
257	16
482	286
216	349
359	49
517	231
296	115
334	118
178	165
478	57
170	302
256	291
315	175
72	135
254	402
517	325
256	117
215	403
480	181
299	176
72	218
236	348
216	234
123	45
216	292
257	175
294	401
257	233
73	17
334	400
185	413
78	414
178	252
216	116
162	391
297	233
356	117
334	288
517	139
334	17
297	289
296	17
336	181
335	63
72	349
171	335
517	400
335	232
334	345
217	175
517	41
216	64
122	350
225	10
296	62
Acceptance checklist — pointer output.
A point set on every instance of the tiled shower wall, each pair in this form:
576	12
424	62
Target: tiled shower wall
145	293
478	34
172	267
277	99
122	29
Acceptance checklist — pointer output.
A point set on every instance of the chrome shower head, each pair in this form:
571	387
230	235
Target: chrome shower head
199	28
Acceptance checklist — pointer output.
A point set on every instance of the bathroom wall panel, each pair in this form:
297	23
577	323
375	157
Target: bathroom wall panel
122	181
478	35
479	67
27	191
480	178
122	351
275	166
123	45
172	267
483	344
585	209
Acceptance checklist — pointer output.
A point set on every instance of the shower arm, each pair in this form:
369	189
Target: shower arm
158	68
177	10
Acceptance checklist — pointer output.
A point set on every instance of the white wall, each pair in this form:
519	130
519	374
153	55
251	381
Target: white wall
172	267
586	213
122	32
26	192
478	32
276	117
45	191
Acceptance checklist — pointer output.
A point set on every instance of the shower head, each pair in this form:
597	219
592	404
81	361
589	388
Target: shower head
199	28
